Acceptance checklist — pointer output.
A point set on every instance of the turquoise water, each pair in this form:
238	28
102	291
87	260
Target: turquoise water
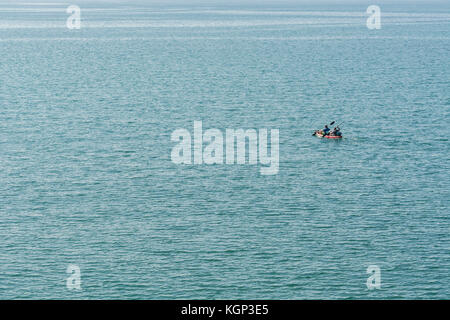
86	176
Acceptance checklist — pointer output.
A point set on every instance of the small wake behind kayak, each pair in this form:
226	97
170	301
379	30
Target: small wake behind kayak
319	135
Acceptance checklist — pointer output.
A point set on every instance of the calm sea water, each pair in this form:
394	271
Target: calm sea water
86	176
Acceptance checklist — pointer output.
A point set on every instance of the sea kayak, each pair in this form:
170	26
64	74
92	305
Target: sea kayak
319	135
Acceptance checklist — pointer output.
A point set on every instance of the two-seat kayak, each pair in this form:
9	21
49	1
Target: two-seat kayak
320	135
329	134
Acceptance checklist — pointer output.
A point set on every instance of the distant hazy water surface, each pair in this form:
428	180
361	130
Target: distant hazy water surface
86	176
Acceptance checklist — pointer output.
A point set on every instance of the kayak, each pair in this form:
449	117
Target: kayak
319	135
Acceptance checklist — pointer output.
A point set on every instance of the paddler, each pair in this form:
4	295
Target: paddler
336	132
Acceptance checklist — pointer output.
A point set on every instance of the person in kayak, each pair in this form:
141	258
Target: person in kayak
336	132
325	130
